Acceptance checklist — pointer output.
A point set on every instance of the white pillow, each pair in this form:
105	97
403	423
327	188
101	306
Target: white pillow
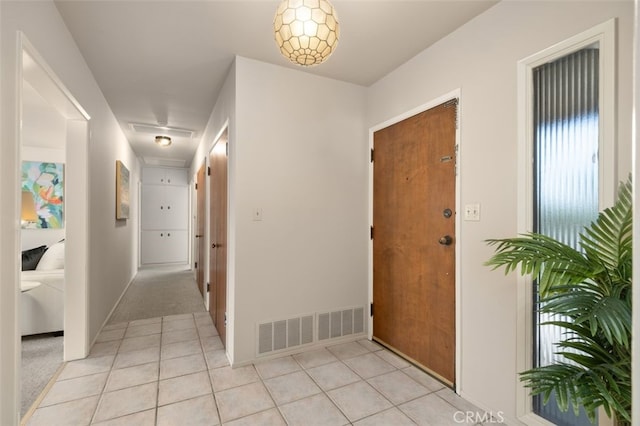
53	258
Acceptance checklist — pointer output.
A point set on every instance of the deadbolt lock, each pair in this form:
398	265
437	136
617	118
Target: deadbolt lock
447	213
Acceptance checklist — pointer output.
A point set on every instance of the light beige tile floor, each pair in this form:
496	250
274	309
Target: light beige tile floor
173	371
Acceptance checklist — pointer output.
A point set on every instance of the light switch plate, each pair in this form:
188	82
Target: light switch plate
472	212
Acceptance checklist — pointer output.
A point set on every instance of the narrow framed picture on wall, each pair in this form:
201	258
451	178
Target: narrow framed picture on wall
122	191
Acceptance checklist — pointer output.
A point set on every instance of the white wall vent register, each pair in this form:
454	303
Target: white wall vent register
340	323
278	335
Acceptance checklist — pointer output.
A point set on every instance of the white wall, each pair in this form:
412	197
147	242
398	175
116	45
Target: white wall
480	59
112	252
43	139
298	151
300	155
42	124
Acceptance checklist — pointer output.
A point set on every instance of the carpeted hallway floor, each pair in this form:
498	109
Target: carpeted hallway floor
159	291
156	291
41	357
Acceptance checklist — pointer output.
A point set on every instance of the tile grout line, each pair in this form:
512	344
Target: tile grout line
54	379
206	371
112	369
156	408
204	356
366	381
361	379
102	392
325	392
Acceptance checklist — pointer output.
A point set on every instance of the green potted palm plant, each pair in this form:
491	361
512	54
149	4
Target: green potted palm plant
588	293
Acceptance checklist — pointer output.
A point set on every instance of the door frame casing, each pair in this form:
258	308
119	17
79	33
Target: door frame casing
76	296
76	340
604	34
199	246
455	94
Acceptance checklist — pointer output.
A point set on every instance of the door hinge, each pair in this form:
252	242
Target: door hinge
208	287
225	319
196	265
196	186
371	308
371	232
208	171
227	149
372	155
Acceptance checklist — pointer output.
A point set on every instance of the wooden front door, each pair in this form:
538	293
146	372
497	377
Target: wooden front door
218	236
200	221
414	241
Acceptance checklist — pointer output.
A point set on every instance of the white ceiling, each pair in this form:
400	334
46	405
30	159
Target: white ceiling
165	61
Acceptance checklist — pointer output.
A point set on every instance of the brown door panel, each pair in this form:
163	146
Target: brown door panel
218	236
414	242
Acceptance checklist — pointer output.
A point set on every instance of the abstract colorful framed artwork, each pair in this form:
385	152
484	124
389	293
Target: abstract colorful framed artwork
45	182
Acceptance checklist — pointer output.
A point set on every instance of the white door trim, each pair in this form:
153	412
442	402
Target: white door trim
604	34
76	297
76	344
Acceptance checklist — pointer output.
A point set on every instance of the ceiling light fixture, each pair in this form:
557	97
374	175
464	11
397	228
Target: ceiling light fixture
306	31
163	140
175	132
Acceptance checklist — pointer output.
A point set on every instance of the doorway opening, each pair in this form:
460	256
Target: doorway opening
53	141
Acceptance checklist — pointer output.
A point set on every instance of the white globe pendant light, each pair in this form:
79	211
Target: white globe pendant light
306	31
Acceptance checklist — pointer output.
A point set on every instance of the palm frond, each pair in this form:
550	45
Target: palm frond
539	255
606	314
575	386
608	239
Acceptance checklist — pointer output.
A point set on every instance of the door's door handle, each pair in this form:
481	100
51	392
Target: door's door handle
213	245
446	240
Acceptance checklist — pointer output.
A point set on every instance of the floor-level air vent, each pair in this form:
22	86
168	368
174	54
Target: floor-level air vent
340	323
283	334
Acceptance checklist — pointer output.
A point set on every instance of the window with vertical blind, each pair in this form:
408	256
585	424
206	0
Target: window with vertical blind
566	179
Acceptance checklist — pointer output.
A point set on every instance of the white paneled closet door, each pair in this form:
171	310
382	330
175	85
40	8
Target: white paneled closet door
165	216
